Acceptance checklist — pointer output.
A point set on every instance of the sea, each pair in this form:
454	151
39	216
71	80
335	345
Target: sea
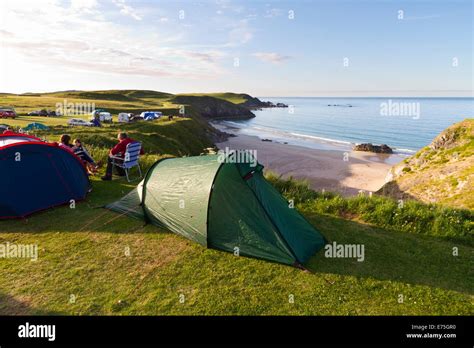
404	124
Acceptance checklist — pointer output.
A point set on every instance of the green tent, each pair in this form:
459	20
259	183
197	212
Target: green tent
222	205
35	125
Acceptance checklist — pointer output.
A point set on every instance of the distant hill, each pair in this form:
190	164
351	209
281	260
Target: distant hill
241	99
206	106
213	108
117	95
442	172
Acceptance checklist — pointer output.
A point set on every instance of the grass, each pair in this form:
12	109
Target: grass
114	101
408	216
83	253
114	265
433	174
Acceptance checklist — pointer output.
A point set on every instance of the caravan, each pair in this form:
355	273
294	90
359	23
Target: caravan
124	117
101	115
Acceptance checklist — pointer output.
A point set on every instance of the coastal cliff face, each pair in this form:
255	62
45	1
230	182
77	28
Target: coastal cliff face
442	172
212	108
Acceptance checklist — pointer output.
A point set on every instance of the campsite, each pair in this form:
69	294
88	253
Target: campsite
247	172
94	261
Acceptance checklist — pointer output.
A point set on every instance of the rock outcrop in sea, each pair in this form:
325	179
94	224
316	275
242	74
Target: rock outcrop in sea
368	147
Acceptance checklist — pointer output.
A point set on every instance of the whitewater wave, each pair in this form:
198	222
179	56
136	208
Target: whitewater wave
299	138
404	151
306	136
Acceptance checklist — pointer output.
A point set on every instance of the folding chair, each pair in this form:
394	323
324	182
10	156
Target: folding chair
129	160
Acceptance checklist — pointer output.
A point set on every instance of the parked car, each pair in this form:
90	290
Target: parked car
79	122
43	112
7	113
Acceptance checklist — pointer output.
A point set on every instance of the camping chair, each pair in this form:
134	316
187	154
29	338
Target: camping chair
129	160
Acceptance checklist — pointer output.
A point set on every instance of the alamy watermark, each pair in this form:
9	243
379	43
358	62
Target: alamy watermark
335	250
73	109
399	108
237	156
26	251
28	330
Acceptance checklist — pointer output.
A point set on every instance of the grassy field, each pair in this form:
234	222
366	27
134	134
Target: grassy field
93	261
113	101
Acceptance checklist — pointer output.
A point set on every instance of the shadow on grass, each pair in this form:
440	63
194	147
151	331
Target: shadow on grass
88	215
393	190
397	257
9	305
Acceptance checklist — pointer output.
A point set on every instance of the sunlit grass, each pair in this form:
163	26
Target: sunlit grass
115	265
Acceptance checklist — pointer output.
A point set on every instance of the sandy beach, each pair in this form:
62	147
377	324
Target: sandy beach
346	172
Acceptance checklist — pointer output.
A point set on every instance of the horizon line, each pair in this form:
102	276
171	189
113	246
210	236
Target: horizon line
325	94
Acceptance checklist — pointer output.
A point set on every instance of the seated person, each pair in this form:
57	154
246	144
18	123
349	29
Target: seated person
82	153
64	142
8	131
96	122
118	151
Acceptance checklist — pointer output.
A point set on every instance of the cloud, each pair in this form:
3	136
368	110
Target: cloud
87	6
5	33
82	57
241	33
228	5
271	57
420	18
273	12
127	10
79	41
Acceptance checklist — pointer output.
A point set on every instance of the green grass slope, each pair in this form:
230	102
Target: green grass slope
442	172
198	106
113	265
95	262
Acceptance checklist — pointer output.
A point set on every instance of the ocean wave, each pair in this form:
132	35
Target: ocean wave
404	151
233	124
306	136
291	137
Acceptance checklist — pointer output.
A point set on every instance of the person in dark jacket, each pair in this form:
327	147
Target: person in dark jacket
82	153
118	151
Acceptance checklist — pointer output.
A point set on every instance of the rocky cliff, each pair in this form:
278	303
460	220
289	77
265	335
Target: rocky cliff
212	108
442	172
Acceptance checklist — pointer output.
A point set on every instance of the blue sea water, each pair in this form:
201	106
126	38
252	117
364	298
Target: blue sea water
342	122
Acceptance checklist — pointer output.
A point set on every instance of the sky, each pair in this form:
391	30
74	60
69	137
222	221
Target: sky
264	48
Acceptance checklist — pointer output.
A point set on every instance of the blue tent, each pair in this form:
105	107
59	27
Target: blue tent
36	175
150	115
